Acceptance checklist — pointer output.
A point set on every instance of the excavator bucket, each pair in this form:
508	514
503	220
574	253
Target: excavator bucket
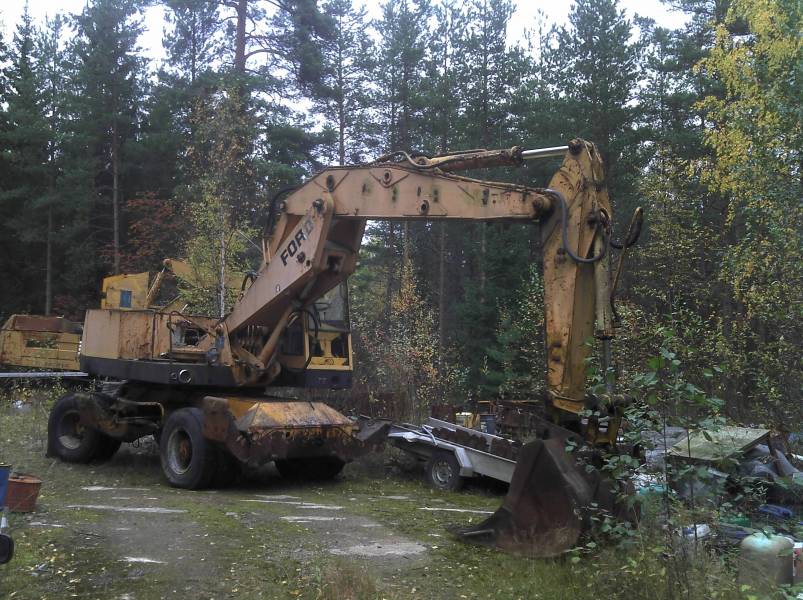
548	503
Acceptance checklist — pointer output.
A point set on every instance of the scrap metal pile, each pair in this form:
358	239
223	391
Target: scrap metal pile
751	481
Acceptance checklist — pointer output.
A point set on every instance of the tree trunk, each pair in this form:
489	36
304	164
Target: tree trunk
483	250
239	40
116	195
341	151
441	294
222	288
194	50
49	263
341	101
391	269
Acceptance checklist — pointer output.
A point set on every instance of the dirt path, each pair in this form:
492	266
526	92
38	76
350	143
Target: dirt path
121	532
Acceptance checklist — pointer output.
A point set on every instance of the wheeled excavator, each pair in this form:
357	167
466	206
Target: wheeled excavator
202	385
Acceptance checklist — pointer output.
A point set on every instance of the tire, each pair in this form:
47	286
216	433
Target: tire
6	548
289	468
227	469
67	439
107	447
443	472
314	469
188	458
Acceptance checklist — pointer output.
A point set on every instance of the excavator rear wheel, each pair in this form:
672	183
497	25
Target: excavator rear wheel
67	438
188	458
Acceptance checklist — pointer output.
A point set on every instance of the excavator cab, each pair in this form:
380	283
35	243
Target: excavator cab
315	351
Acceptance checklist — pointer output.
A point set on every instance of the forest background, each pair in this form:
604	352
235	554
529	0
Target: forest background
108	166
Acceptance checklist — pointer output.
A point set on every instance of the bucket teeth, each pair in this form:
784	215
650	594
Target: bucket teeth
545	511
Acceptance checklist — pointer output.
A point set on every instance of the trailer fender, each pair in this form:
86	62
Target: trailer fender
466	468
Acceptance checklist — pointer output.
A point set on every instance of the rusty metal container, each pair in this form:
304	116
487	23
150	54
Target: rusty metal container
23	490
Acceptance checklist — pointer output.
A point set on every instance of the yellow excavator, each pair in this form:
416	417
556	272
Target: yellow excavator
202	384
51	343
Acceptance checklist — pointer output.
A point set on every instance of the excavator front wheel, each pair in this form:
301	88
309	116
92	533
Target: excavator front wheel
315	469
188	458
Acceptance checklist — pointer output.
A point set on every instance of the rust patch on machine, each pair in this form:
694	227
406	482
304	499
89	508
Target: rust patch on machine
258	431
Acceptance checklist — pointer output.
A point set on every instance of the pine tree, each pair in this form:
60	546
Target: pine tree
441	113
193	40
485	77
344	99
494	258
595	67
26	152
106	101
399	72
516	357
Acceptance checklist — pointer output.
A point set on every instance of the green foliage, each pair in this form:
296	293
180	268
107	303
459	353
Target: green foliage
344	99
517	359
594	66
700	124
222	195
756	138
24	138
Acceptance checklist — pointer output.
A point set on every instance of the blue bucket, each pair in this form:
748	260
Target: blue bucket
488	424
5	471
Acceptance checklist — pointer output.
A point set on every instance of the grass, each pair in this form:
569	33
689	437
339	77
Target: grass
244	550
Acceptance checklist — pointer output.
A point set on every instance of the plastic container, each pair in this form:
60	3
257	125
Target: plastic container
734	534
651	489
5	471
738	520
23	490
765	559
775	511
488	424
696	531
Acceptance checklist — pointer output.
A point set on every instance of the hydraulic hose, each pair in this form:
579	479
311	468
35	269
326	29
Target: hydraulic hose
633	230
272	206
564	221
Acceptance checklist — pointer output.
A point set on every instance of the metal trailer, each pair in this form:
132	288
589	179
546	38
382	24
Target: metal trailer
454	453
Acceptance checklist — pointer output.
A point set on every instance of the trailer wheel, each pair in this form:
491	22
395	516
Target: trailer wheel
188	458
443	472
67	439
315	469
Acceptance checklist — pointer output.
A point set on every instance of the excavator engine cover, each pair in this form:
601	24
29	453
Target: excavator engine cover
548	503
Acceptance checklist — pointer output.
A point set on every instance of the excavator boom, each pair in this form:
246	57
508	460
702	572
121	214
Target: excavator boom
315	233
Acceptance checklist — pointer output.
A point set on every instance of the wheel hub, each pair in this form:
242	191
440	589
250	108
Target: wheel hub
179	451
71	432
442	472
